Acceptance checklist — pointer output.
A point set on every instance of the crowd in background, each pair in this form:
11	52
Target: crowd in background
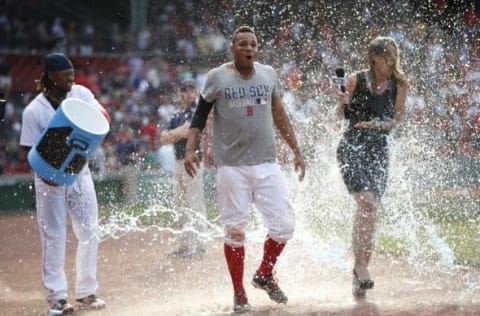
305	42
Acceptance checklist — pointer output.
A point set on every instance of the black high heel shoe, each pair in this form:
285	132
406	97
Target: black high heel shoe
360	286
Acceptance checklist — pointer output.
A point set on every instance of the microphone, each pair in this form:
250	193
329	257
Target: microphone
340	79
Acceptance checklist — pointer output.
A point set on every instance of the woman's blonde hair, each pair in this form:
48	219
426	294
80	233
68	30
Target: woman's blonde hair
386	47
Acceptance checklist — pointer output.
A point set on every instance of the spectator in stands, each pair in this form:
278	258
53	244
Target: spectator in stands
5	29
86	37
97	162
3	159
165	109
149	134
149	130
127	147
5	78
470	138
59	35
30	34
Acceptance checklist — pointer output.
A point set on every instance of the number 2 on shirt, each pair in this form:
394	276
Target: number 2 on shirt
249	110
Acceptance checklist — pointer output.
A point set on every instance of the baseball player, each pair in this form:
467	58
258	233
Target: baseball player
188	191
247	101
54	201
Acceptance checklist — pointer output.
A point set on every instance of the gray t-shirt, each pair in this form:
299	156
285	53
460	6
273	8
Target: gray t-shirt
243	124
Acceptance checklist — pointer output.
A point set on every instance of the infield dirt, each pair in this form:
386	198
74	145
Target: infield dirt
137	277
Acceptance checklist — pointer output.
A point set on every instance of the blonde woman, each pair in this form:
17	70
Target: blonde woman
374	104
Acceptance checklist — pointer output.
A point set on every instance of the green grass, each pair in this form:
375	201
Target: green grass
393	246
463	236
457	222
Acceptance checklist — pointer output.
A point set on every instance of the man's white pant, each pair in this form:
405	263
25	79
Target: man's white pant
265	186
190	203
52	204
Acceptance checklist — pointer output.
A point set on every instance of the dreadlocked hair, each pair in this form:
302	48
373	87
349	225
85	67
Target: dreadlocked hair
43	84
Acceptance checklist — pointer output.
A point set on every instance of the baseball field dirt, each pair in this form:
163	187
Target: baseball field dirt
137	277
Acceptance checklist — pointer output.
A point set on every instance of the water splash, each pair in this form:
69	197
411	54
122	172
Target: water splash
324	208
121	223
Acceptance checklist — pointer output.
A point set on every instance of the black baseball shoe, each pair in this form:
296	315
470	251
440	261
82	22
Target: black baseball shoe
89	302
240	303
61	307
360	286
270	285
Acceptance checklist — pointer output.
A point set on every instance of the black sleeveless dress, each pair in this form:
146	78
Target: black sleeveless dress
363	153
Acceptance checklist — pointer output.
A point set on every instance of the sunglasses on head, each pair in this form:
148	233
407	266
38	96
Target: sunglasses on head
187	89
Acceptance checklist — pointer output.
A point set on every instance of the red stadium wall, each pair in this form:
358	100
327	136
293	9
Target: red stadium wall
25	69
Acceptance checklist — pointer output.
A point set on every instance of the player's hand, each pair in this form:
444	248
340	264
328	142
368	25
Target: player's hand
363	124
299	166
342	98
191	163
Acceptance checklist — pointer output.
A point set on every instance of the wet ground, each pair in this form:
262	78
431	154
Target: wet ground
138	278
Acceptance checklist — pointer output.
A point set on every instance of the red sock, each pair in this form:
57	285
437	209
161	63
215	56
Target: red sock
235	258
271	251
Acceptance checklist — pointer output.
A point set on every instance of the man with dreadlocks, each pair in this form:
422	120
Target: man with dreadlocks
54	201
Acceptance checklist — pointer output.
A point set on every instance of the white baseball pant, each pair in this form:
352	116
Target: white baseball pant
52	204
263	185
189	197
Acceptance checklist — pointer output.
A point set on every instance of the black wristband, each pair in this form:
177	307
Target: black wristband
199	119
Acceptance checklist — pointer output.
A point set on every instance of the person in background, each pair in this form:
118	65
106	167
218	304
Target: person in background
5	85
127	150
189	196
247	100
97	163
5	79
166	152
374	104
469	146
54	202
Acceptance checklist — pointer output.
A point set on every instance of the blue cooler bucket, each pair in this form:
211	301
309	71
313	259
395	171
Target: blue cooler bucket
70	139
